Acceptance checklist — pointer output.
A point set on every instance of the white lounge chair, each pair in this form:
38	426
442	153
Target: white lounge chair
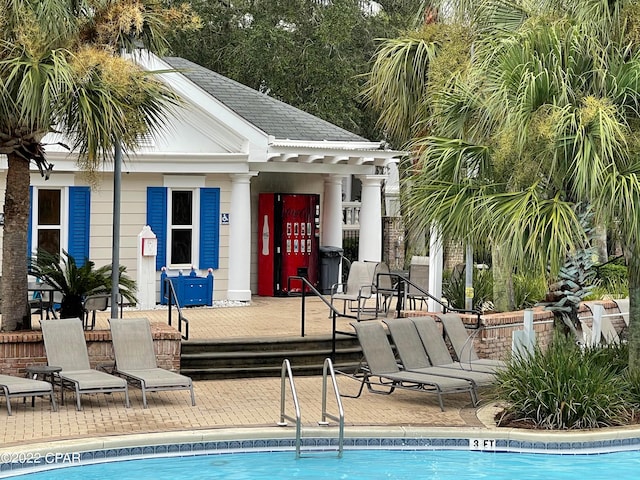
381	365
462	342
25	387
136	358
415	358
66	348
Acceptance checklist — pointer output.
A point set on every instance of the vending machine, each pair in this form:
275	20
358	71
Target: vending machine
289	231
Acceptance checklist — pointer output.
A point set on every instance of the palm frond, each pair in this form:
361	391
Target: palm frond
536	229
397	83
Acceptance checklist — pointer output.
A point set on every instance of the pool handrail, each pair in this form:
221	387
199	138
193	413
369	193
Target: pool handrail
286	372
327	370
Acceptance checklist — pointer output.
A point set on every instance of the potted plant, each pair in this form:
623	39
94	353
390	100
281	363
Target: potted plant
76	282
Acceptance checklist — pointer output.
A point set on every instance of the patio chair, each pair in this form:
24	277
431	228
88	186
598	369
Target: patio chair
25	387
91	305
419	277
66	348
414	357
463	343
381	365
358	289
136	359
383	288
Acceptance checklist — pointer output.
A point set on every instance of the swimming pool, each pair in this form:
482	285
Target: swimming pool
438	449
362	464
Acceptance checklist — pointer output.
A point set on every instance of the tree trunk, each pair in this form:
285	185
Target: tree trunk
600	243
503	295
633	262
15	311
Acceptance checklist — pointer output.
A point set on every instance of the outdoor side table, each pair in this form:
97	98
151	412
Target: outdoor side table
48	374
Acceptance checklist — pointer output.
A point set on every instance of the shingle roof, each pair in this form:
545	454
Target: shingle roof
272	116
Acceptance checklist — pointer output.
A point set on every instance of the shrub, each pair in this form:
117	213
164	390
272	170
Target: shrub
564	387
528	289
632	382
453	287
611	280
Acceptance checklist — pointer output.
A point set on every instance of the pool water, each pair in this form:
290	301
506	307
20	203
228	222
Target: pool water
363	464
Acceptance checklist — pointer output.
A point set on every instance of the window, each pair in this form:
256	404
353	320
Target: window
59	221
186	223
181	226
48	220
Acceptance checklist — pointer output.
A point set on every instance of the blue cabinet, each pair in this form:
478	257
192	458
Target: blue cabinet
191	290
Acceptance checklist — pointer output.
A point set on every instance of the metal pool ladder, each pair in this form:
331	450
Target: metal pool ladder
327	370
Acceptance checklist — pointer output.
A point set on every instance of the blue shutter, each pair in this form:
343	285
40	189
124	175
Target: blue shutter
30	227
209	227
79	218
157	220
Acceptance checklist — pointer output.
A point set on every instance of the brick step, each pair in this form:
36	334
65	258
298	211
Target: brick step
265	343
241	358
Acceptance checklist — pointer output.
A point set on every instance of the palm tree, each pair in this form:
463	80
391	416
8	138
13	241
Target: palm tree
60	71
541	116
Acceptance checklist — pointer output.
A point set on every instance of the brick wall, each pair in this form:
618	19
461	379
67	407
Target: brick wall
19	349
494	339
393	242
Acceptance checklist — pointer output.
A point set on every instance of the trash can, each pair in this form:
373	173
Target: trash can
329	267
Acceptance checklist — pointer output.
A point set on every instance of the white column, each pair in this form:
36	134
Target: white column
239	287
370	243
331	232
435	269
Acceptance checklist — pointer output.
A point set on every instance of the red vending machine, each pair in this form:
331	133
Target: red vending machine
289	231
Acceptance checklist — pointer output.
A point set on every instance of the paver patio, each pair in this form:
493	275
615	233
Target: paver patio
230	403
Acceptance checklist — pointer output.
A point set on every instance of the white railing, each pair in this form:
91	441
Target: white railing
351	215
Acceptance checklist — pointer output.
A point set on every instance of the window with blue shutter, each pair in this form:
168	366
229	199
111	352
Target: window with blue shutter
209	228
157	220
47	220
79	218
209	218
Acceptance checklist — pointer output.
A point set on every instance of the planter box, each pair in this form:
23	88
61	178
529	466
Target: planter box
191	290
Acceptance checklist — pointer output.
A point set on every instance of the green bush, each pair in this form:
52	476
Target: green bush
565	387
632	380
453	287
611	280
528	289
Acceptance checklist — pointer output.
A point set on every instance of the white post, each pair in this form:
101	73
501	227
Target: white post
468	278
523	341
596	328
239	287
370	242
435	269
146	262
